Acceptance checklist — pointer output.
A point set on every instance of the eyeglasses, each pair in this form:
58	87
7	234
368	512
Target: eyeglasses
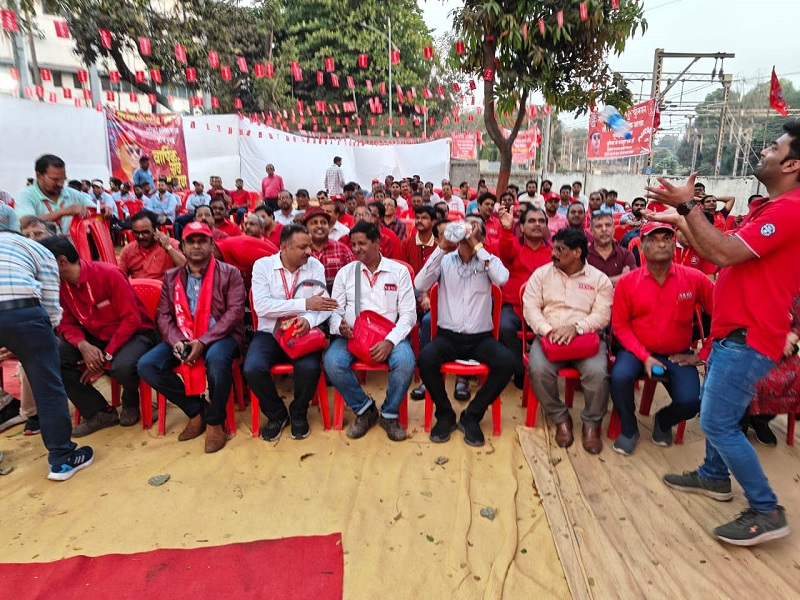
56	181
141	233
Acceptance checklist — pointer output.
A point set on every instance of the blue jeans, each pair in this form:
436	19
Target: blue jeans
28	334
264	353
401	362
732	372
156	368
424	330
683	388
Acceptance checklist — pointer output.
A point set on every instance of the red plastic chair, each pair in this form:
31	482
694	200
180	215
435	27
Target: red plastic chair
255	197
455	368
361	368
89	231
454	215
320	399
572	377
411	226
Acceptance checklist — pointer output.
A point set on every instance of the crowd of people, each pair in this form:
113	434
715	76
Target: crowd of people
619	290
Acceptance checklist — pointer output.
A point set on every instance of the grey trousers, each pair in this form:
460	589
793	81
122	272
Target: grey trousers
594	379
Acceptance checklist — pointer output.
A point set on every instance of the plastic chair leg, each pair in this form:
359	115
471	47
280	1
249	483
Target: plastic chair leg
680	432
648	392
162	415
338	410
77	418
116	392
238	383
614	426
532	409
428	412
146	404
230	414
790	429
322	399
570	385
496	416
404	412
254	414
525	385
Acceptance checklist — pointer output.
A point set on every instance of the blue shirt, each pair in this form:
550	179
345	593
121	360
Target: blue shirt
193	285
106	200
141	176
472	207
610	210
166	205
29	270
195	200
32	201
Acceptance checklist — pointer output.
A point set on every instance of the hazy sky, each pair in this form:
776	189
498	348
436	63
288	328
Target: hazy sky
761	33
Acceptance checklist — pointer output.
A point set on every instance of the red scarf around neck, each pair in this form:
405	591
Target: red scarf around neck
194	376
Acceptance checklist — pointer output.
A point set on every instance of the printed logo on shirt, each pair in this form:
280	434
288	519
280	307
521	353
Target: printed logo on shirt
767	229
104	303
695	260
390	287
685	296
586	286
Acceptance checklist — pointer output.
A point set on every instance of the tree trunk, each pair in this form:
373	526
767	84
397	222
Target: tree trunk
503	144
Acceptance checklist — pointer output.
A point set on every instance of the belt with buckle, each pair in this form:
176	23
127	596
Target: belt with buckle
19	303
738	336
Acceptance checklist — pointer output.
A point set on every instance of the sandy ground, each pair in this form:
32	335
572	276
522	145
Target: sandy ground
411	527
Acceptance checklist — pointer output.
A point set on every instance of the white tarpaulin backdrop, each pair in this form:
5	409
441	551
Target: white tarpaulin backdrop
302	161
215	145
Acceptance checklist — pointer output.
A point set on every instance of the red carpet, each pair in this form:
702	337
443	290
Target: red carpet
294	568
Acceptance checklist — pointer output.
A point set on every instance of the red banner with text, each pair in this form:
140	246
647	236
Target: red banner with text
464	146
523	150
131	136
603	143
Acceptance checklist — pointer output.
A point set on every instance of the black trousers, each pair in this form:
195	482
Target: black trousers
448	346
85	397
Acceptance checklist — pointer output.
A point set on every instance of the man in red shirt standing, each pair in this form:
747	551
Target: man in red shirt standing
754	292
271	186
153	253
104	322
521	257
652	318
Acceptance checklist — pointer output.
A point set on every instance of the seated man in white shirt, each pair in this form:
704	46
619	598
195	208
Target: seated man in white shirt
336	209
286	214
386	288
275	279
464	329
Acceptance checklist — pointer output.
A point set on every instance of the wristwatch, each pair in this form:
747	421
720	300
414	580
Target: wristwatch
108	357
477	247
578	328
685	208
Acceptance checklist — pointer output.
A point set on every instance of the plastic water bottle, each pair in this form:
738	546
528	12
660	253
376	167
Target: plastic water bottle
616	122
456	231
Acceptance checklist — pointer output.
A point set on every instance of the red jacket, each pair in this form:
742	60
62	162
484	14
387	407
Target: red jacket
521	261
227	306
102	304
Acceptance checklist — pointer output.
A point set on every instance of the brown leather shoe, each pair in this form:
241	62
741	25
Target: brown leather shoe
592	440
194	427
215	438
564	437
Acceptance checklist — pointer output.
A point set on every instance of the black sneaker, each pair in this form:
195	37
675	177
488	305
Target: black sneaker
752	527
9	415
440	433
764	435
271	432
393	429
418	393
79	459
661	437
129	416
99	421
691	482
473	435
363	423
300	428
32	426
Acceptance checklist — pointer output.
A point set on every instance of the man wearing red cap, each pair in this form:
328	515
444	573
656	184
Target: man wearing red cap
333	255
652	317
752	298
200	315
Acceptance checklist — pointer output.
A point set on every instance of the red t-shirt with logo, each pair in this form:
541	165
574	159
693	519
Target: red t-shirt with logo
757	294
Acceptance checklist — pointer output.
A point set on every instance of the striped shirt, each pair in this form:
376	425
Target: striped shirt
334	180
29	270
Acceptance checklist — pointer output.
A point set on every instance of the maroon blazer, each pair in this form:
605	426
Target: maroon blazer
227	306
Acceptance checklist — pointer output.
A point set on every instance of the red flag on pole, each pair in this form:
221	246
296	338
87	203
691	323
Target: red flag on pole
144	46
776	99
105	38
9	20
180	53
213	59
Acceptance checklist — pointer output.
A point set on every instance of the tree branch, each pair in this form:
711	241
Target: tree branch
128	75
